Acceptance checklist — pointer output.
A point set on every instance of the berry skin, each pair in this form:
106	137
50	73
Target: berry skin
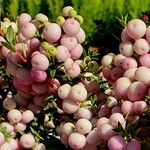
27	116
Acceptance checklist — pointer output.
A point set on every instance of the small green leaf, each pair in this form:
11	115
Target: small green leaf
10	34
9	46
52	73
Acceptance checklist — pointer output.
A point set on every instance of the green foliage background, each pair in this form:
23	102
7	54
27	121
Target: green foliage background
91	10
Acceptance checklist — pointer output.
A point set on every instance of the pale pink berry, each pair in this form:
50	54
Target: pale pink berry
76	140
69	106
52	32
138	107
35	44
107	60
40	146
14	116
83	126
136	91
27	141
62	53
136	28
83	113
14	144
116	143
81	36
78	93
27	116
71	27
68	63
129	62
28	30
129	73
125	37
121	87
23	19
40	62
118	59
63	91
116	118
141	46
68	128
126	48
145	60
70	42
106	131
38	75
93	137
74	71
76	52
20	127
126	108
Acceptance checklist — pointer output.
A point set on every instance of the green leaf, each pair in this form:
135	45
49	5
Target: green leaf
10	34
52	73
9	46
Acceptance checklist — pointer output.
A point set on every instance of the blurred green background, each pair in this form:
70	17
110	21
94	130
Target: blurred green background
100	23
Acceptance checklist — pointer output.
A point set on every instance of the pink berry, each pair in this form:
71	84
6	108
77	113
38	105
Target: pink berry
20	127
65	11
14	116
68	63
78	93
69	106
68	128
69	42
40	62
129	73
35	44
74	71
138	107
40	146
63	91
116	143
62	53
126	49
136	28
23	19
93	137
38	75
76	140
124	36
28	30
142	75
136	91
104	111
52	32
89	147
83	113
129	62
83	126
14	144
116	118
107	60
27	141
116	109
71	27
126	108
141	46
106	131
101	121
118	59
145	60
81	36
40	88
27	116
76	52
121	87
133	145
